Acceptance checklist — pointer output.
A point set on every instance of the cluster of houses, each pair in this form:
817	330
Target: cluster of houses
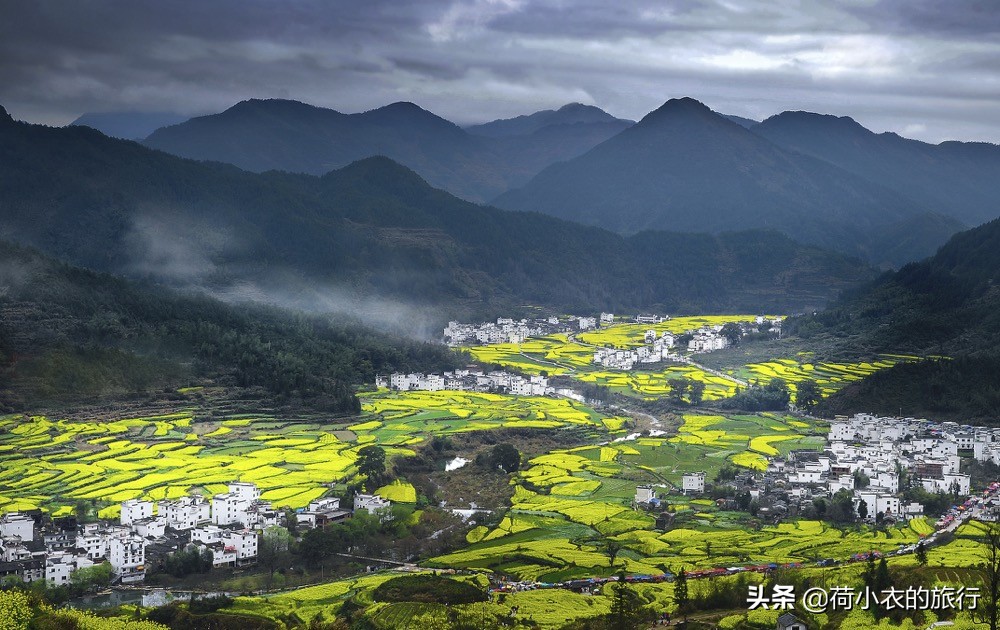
34	547
474	380
873	458
656	348
507	330
662	347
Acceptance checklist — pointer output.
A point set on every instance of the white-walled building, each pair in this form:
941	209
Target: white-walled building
644	494
693	483
135	510
17	524
185	513
154	527
244	541
371	503
59	566
229	509
127	555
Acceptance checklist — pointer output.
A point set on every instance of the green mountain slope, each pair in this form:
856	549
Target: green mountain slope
70	335
262	135
956	179
948	304
683	167
369	232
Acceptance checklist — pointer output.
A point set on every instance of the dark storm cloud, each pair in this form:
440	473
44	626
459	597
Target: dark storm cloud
954	18
921	67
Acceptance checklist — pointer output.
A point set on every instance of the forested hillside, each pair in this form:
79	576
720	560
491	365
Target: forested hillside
70	335
947	305
373	231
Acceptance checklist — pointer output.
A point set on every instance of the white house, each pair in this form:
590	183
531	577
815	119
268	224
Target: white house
185	513
17	524
153	527
371	503
644	494
693	482
229	508
127	555
244	490
59	566
135	510
243	541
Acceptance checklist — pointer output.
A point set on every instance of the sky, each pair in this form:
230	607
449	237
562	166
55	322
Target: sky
926	69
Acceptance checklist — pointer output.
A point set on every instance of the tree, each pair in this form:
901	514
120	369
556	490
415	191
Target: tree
841	507
80	511
988	610
697	392
678	388
733	333
681	592
626	607
861	480
807	395
883	581
820	506
371	464
862	510
505	457
921	554
91	578
272	547
611	548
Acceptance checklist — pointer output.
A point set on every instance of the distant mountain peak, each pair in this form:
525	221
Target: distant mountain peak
403	106
842	122
405	111
400	108
580	107
568	114
4	116
677	108
251	104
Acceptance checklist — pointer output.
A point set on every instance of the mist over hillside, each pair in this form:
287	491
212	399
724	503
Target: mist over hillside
372	237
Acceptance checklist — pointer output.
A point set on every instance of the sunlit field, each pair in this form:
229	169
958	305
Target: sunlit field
55	463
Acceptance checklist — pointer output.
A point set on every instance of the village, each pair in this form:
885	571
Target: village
867	466
226	528
868	463
657	347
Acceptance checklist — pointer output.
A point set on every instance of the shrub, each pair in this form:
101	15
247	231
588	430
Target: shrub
427	588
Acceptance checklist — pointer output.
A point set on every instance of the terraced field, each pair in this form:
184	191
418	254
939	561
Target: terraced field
828	376
569	502
55	463
561	355
627	336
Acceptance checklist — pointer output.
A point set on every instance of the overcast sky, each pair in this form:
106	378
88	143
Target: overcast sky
927	69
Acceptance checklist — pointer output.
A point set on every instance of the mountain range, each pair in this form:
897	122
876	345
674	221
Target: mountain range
128	125
819	179
683	167
263	135
373	238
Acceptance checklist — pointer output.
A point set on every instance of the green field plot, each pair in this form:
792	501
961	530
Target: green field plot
567	501
561	355
633	335
55	463
828	376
